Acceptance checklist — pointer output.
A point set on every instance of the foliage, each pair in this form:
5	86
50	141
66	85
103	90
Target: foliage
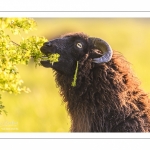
54	58
12	54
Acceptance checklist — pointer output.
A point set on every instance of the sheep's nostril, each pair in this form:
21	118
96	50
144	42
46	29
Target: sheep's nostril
49	44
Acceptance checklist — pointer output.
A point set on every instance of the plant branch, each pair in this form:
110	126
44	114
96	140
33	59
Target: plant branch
15	43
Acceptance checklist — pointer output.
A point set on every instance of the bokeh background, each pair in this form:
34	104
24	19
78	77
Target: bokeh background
42	110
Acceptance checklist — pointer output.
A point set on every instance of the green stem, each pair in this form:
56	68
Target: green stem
75	76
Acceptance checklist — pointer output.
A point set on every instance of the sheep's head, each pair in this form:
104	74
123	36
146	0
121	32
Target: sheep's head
72	47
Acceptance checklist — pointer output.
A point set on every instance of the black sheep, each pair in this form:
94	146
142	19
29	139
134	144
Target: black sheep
107	96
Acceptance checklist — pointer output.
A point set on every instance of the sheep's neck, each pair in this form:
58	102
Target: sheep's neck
80	120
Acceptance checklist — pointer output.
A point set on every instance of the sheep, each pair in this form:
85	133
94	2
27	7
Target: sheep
107	96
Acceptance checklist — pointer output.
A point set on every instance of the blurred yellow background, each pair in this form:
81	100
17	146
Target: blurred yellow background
42	110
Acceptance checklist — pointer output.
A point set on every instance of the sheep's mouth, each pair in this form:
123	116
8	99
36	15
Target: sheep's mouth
49	58
45	62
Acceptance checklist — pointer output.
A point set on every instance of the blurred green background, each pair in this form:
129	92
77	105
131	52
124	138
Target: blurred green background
42	110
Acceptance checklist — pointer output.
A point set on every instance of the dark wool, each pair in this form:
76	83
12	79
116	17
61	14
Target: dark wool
107	98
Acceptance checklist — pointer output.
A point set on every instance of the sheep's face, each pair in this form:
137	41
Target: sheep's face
71	48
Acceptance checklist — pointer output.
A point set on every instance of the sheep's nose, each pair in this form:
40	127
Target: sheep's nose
49	44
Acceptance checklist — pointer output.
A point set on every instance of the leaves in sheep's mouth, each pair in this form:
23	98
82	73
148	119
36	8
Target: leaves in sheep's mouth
44	58
51	58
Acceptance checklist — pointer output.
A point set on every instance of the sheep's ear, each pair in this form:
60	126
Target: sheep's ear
104	47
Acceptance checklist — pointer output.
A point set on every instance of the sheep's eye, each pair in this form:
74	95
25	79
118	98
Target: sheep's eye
79	45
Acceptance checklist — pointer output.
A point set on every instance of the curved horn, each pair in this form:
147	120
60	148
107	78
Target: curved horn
104	47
